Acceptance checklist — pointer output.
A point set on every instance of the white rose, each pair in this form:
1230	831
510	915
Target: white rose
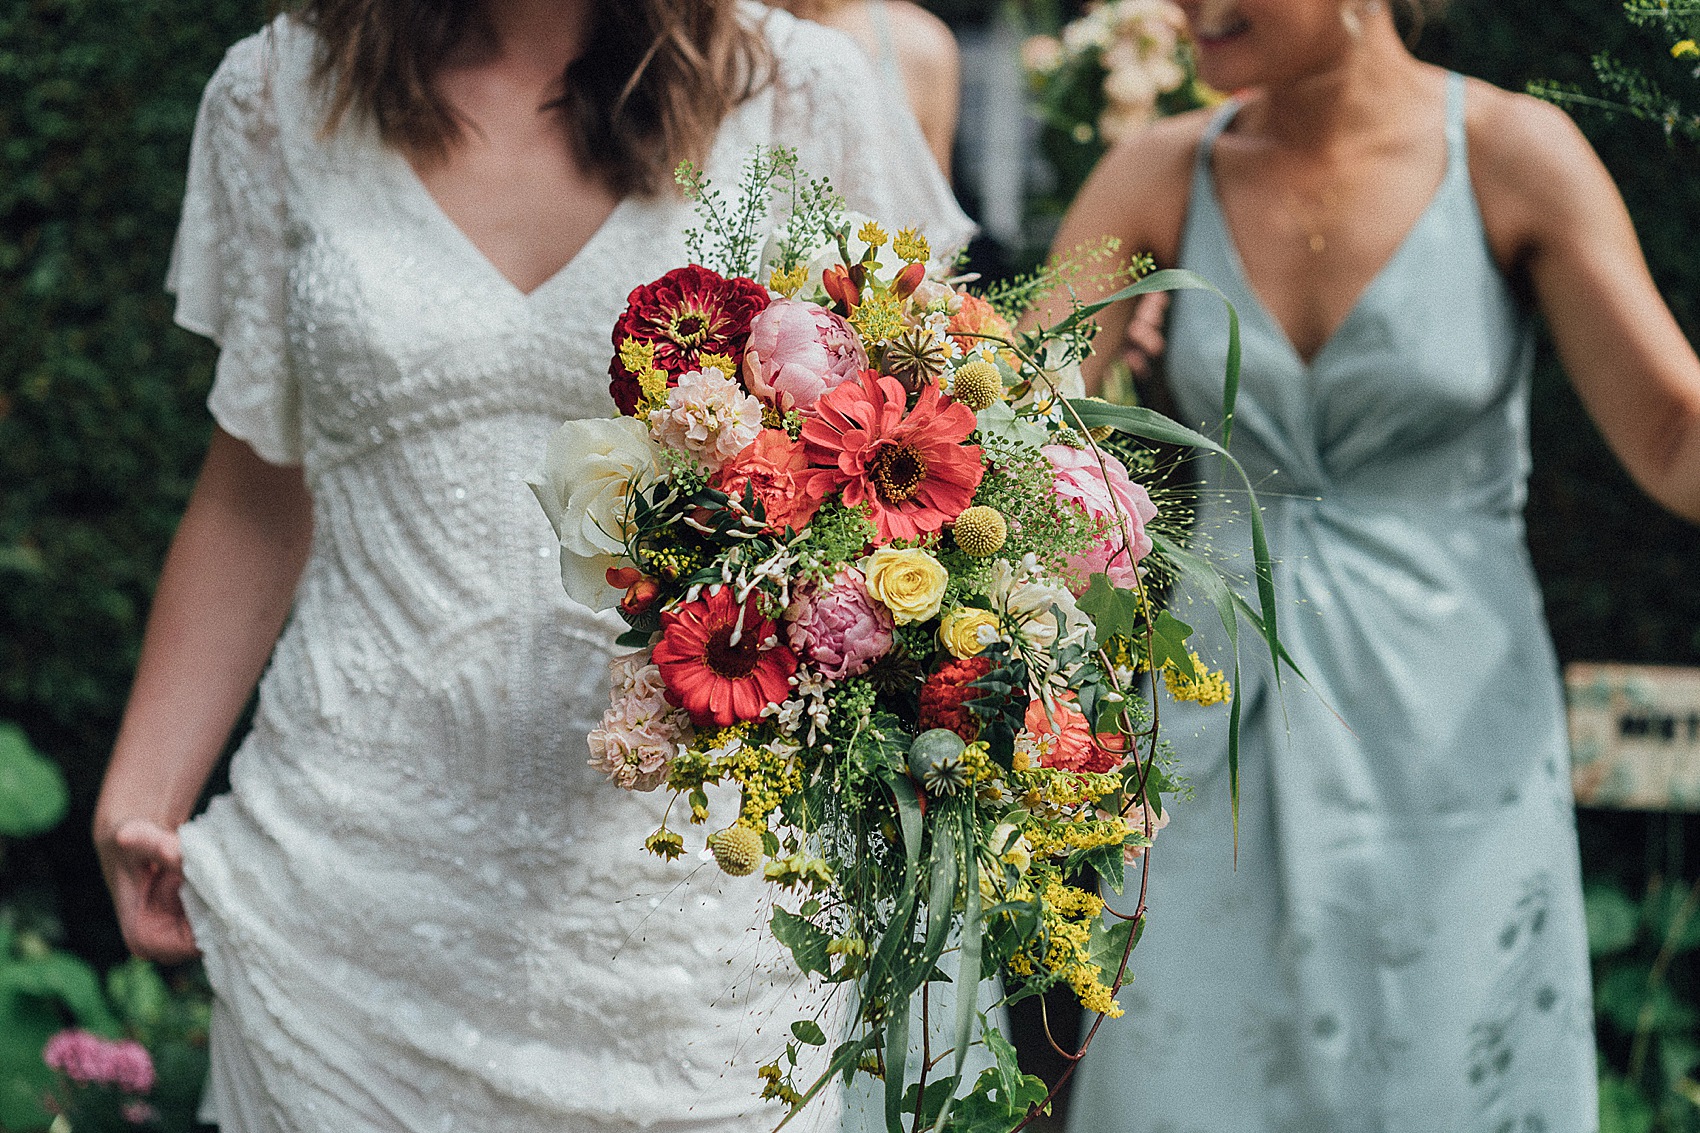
588	472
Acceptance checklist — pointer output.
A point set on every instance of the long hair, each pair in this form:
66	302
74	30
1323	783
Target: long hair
654	80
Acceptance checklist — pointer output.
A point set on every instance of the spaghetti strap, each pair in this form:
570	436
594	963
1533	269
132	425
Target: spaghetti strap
889	69
1457	148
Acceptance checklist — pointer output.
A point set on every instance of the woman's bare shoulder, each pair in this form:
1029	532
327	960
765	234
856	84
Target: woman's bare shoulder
1531	166
920	36
1138	192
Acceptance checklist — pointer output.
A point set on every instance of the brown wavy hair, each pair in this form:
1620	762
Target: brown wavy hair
654	80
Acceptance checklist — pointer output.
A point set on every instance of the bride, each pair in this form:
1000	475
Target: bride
410	227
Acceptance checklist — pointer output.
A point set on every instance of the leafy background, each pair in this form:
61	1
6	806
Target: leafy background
102	426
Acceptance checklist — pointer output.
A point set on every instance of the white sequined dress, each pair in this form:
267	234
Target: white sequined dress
420	909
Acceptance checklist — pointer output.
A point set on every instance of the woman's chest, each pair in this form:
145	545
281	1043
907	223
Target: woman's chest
396	321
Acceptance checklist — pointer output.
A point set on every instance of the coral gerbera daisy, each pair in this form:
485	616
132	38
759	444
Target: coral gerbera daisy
686	314
721	661
911	469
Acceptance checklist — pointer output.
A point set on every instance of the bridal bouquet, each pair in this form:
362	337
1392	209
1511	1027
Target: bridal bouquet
886	579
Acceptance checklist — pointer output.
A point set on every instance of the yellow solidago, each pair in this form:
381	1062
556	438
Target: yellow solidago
878	317
1069	915
872	234
721	362
911	247
1209	688
776	1084
1685	49
788	283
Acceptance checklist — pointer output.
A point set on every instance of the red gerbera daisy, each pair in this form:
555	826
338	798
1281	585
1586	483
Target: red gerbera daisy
689	312
945	696
912	469
715	678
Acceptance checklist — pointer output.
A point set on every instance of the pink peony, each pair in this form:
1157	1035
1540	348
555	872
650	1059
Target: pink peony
93	1061
1081	479
798	351
840	629
640	733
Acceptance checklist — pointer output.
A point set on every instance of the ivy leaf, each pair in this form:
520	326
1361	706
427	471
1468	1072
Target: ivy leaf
1168	646
1109	943
806	942
808	1031
1114	611
32	791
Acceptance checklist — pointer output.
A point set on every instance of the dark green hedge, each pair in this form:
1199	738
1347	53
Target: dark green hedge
101	399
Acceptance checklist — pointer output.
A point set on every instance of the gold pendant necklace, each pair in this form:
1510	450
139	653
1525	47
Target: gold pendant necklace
1313	231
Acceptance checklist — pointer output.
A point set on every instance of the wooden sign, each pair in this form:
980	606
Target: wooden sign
1635	736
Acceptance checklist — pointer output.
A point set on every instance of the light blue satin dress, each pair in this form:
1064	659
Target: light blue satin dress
1401	947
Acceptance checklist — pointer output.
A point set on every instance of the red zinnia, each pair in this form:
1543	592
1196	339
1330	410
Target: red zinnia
711	676
685	314
945	696
913	470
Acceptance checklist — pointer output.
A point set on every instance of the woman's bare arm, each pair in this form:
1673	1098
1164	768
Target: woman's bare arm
1137	195
1547	197
223	596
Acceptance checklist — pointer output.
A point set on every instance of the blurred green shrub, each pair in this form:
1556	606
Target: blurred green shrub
101	417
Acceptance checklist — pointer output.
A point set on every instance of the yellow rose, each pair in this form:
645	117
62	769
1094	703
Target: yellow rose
909	582
959	633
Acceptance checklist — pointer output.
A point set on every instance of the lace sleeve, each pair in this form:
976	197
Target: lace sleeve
849	125
230	264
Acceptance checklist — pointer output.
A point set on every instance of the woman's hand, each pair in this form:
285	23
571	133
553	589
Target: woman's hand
1144	342
143	864
222	597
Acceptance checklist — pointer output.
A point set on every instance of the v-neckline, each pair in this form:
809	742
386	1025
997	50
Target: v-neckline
1231	244
457	234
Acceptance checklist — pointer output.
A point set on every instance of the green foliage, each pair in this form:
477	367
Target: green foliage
1632	89
32	791
101	399
1647	1002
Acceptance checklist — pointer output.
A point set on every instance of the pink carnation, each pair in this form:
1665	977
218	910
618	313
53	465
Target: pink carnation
840	629
635	743
774	468
1081	479
798	351
707	415
93	1061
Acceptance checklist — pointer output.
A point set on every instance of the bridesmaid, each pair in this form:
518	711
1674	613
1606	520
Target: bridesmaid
1401	944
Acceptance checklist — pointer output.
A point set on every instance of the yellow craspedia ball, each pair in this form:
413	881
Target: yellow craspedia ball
977	384
980	531
736	850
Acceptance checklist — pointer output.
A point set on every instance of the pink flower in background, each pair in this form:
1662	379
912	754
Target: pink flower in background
839	628
798	351
635	743
1081	479
90	1060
